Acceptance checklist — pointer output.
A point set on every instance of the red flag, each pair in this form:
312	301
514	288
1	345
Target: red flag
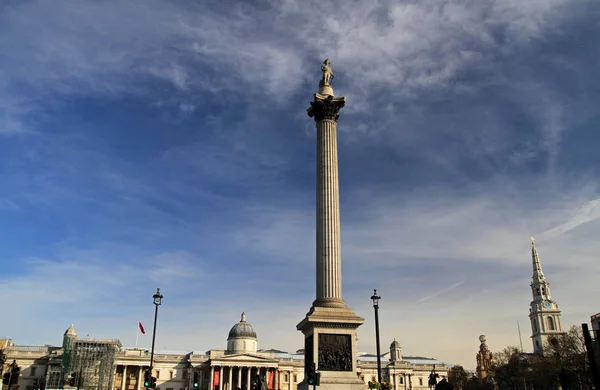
141	327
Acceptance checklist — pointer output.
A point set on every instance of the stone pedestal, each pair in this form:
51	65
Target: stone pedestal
330	342
330	326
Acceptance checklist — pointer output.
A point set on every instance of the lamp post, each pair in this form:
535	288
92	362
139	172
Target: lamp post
376	299
157	301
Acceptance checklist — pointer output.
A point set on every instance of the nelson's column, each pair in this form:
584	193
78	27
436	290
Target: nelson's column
330	326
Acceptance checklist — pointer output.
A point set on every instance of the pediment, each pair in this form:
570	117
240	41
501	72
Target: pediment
242	357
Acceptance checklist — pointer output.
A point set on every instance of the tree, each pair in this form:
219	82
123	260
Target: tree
563	363
503	357
566	354
501	371
458	377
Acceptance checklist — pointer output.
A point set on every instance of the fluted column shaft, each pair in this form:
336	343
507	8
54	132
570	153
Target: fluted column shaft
329	276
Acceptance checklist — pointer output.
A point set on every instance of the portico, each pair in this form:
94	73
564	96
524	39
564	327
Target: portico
238	371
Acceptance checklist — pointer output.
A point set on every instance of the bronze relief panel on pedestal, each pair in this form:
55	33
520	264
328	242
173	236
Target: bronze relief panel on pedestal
335	352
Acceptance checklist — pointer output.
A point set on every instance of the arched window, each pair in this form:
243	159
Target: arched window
551	323
401	380
534	323
538	292
543	291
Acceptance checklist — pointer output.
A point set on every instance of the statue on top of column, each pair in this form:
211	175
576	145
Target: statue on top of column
327	73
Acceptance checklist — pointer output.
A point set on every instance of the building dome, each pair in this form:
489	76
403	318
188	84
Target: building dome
242	338
242	330
395	344
71	331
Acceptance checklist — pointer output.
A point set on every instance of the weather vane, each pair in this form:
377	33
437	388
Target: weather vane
532	240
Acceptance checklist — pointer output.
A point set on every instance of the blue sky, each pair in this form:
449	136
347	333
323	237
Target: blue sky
149	143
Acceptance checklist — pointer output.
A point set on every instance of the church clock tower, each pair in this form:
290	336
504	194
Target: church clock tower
543	313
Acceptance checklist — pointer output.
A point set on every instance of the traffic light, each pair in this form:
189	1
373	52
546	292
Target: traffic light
310	374
152	382
6	378
313	378
196	381
147	379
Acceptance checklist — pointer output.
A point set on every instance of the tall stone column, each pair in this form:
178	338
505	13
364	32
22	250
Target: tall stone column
329	327
325	110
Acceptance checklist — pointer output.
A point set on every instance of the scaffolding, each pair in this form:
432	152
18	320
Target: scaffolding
92	362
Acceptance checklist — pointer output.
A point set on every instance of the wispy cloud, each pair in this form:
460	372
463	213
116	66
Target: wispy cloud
440	292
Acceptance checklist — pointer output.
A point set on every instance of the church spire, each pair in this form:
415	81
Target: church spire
538	274
543	312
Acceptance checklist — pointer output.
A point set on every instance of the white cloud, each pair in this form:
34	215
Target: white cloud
109	47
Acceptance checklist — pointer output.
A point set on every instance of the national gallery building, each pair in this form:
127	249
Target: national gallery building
106	365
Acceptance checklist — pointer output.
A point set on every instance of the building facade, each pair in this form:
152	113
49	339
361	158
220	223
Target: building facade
544	313
49	367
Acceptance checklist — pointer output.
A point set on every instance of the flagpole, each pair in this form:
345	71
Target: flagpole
137	335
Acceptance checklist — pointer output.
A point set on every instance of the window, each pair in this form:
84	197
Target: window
401	380
295	378
373	379
534	323
32	371
170	375
362	378
157	374
285	378
543	291
551	323
420	381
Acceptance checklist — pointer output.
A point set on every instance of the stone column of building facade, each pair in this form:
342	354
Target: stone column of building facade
124	381
329	327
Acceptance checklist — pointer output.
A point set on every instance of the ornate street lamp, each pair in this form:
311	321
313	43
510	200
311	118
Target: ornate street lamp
157	302
376	299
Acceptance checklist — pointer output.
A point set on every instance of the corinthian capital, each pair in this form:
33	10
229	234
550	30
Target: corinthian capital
326	107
